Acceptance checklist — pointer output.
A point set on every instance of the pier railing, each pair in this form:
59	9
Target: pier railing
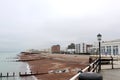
93	67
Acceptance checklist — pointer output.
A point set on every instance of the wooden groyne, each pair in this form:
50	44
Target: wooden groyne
24	60
8	75
30	74
21	74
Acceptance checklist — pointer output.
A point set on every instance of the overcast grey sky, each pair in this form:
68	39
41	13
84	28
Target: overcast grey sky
39	24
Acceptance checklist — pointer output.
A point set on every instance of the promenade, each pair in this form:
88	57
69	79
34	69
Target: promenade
113	74
109	73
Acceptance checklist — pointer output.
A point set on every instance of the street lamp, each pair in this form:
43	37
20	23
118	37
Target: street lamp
99	36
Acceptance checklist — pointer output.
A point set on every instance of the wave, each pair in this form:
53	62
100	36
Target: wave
28	71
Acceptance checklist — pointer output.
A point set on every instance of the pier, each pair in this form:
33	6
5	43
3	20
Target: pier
109	73
110	68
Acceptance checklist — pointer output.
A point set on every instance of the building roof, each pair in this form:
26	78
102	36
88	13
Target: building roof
117	40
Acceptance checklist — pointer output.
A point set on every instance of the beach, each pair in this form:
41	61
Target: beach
56	66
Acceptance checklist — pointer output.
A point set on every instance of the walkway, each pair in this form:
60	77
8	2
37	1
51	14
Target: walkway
111	74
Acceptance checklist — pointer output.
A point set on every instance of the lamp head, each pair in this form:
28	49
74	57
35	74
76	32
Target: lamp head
99	36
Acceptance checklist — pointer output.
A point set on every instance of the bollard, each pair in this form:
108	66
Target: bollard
90	76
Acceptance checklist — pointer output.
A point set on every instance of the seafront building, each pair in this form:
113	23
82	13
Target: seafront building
83	48
111	47
55	49
72	48
79	48
108	47
33	51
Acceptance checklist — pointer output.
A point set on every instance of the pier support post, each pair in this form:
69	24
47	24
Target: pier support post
90	76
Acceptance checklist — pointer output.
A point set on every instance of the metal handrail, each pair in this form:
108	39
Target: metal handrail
85	69
91	68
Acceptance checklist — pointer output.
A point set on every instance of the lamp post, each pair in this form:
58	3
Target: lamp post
99	36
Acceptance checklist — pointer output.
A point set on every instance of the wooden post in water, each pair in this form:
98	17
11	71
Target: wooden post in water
0	74
13	74
7	74
19	73
31	72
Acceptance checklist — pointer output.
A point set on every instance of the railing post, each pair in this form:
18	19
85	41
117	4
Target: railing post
90	60
89	68
112	62
99	69
93	65
80	71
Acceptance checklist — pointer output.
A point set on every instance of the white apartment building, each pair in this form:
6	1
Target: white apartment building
83	48
80	48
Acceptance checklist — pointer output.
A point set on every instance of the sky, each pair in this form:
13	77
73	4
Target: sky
39	24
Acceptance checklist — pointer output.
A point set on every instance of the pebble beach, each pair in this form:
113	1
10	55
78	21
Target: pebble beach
57	66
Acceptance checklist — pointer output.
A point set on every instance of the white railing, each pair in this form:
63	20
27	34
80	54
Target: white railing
92	65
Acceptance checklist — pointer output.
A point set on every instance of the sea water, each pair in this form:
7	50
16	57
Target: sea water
9	65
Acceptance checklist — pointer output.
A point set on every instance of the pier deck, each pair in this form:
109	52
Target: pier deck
111	74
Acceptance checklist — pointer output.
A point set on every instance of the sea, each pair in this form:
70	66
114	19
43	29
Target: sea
8	64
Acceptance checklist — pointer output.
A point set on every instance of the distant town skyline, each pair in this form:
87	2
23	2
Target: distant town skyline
39	24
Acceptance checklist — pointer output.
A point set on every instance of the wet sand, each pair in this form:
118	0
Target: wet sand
58	66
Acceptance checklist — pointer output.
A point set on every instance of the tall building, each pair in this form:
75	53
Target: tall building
78	48
55	49
83	48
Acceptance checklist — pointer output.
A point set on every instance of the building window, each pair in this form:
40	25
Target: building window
108	50
103	50
115	50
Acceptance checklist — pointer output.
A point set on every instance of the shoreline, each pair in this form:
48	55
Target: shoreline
55	64
28	71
